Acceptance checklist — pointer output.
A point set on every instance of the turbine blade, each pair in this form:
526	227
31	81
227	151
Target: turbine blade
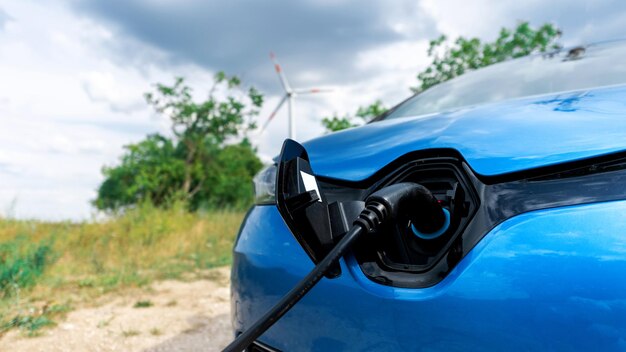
312	90
281	73
269	119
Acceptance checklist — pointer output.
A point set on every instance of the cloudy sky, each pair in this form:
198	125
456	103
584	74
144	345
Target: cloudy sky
72	73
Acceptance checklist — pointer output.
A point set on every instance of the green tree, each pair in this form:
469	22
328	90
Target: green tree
362	115
198	126
202	163
454	59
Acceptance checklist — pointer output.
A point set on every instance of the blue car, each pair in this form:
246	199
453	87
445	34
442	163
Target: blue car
527	157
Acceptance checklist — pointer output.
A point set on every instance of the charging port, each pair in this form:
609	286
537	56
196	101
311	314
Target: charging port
403	257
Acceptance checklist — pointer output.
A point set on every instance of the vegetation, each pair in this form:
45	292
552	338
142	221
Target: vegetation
450	60
362	115
207	163
21	263
143	304
46	268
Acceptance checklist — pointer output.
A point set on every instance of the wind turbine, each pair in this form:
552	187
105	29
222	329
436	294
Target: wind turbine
289	97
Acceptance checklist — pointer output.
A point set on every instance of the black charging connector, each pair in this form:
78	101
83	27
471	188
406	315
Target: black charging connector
391	203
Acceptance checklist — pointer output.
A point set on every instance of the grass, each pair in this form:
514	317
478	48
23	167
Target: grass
33	320
130	333
47	265
143	304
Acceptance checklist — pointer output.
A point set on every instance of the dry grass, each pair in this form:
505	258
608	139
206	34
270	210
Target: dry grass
60	264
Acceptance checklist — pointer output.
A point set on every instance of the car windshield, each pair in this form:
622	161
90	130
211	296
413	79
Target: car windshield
573	69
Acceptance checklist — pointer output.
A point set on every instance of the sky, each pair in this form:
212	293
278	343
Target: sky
73	73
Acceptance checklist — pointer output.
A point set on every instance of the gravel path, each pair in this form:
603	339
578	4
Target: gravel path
184	316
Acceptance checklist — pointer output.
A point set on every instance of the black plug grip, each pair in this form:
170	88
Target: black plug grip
413	201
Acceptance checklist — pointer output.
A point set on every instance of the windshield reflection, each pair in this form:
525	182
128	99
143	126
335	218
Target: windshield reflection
567	70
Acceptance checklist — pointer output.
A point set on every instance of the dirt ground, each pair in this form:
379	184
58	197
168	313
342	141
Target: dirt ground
180	316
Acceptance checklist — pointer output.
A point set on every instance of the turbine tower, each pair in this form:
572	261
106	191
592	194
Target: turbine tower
289	97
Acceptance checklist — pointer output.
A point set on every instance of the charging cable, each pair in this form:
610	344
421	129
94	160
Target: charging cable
406	199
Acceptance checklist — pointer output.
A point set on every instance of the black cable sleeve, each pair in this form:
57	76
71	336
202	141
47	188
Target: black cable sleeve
246	338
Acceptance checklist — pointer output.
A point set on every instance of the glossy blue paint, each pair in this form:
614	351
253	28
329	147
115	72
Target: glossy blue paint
546	280
495	139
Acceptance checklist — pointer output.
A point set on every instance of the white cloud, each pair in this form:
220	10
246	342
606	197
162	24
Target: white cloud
104	87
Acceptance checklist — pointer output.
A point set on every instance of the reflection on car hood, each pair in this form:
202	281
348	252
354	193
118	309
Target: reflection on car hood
494	139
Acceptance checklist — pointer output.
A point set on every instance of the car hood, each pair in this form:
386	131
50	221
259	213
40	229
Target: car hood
494	139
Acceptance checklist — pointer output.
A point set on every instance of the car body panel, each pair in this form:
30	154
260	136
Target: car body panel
494	139
549	279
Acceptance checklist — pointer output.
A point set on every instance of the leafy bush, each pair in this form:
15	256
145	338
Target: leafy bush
21	264
154	171
362	115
